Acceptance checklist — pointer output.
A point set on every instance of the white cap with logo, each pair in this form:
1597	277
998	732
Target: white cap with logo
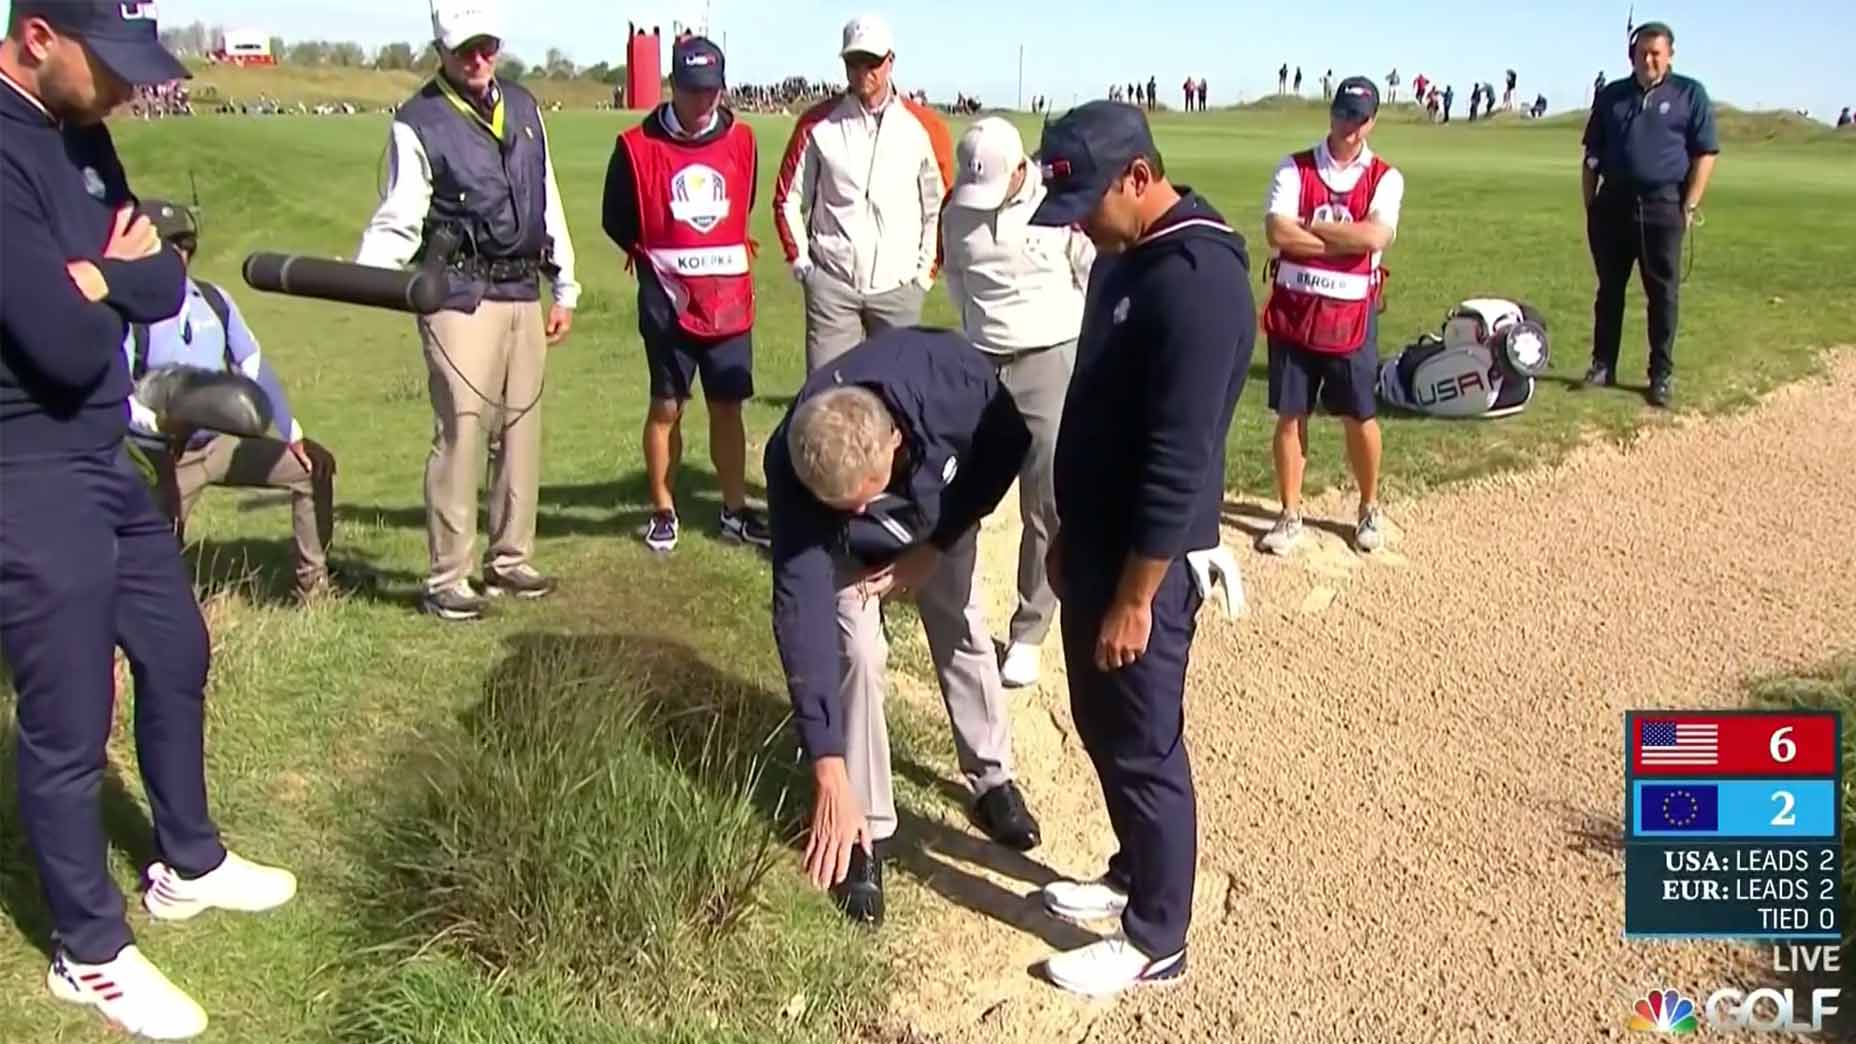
456	21
867	34
984	162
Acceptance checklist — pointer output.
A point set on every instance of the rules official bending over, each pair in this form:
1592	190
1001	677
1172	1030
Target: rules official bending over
1167	336
87	564
472	180
876	482
679	193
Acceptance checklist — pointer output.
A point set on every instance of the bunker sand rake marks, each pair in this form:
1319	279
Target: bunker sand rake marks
1395	794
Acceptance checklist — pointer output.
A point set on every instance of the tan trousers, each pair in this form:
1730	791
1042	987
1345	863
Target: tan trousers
954	618
257	464
485	376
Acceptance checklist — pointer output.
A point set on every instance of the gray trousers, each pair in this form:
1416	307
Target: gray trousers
954	618
839	316
1038	381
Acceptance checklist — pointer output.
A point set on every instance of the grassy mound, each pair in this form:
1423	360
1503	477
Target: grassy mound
601	835
1832	687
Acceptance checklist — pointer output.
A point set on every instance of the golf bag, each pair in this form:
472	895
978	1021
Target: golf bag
1483	366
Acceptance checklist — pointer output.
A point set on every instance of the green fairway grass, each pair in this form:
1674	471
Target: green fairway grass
410	771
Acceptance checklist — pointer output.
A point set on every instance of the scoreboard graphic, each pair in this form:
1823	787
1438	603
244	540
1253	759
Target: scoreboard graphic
1732	825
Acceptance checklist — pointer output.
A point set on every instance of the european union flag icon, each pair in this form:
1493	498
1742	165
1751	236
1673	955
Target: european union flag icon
1684	806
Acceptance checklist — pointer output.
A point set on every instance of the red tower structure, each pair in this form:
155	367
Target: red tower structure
644	75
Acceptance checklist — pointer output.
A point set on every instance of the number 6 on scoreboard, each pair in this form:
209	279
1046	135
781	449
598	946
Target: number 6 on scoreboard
1785	818
1782	747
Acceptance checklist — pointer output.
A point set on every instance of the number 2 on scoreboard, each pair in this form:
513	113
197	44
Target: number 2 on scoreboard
1785	818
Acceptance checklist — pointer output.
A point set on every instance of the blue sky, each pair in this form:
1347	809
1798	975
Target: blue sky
1774	55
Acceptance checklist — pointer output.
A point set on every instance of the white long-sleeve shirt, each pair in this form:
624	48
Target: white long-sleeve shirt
397	228
1017	286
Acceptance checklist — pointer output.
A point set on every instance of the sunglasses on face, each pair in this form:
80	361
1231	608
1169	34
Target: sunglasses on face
861	62
480	47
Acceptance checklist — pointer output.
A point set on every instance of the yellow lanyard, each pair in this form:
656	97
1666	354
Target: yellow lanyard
494	124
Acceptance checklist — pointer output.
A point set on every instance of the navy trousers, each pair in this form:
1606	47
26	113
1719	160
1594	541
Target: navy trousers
1132	723
87	564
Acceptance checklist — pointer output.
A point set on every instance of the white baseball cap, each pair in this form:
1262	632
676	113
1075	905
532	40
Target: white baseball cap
984	161
867	34
455	21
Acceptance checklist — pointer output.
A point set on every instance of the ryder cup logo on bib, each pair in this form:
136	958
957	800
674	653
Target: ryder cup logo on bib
699	197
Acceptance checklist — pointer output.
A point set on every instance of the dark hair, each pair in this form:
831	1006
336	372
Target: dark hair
1154	162
1651	31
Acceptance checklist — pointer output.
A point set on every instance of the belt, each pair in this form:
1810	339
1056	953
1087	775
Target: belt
499	270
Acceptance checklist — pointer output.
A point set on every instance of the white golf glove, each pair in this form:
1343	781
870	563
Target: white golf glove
1214	564
801	269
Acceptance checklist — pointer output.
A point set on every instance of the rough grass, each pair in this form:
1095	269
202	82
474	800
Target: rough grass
1830	687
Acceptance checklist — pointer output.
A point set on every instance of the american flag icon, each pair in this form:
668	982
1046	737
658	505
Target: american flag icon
1679	743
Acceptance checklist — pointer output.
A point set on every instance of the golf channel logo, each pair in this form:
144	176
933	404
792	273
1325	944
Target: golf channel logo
1666	1012
1727	1010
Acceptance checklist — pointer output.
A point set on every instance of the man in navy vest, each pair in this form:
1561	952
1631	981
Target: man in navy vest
210	333
685	228
87	564
473	190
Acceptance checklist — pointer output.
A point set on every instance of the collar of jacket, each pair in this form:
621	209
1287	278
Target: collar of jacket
494	124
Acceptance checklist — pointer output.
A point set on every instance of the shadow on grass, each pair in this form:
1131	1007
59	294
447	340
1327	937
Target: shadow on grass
125	824
618	507
264	572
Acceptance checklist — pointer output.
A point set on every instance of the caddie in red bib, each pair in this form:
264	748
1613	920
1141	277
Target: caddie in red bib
1333	210
679	191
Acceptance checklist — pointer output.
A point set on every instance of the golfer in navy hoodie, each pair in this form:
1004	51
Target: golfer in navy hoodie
1168	329
86	561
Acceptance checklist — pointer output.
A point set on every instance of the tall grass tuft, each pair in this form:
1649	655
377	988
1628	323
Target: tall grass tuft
606	818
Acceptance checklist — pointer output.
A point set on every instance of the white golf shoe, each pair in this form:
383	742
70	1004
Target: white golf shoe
1108	966
1096	900
236	884
130	992
1019	670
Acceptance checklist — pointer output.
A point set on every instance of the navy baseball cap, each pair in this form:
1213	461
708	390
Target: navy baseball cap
1356	99
123	36
1083	153
696	65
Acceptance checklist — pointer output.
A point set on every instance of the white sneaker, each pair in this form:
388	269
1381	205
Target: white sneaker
1096	900
236	884
1283	536
1020	667
1108	966
130	992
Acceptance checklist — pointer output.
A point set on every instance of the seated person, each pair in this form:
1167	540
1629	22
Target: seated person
210	334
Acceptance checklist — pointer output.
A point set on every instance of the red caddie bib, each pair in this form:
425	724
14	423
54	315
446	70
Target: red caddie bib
693	209
1324	303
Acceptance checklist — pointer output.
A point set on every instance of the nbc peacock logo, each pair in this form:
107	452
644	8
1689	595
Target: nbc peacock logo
1666	1012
